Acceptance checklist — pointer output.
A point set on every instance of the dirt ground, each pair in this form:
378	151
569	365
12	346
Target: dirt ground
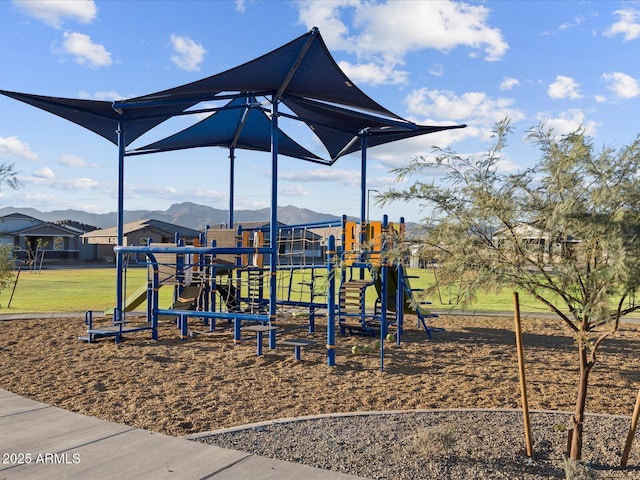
205	383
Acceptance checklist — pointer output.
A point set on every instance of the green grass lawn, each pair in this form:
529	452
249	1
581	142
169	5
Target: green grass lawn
80	289
67	290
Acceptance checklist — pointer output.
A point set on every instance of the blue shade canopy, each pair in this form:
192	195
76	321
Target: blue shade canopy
100	116
303	67
340	130
302	74
240	124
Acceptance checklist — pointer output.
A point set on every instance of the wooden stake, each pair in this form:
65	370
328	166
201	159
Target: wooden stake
15	283
632	432
523	381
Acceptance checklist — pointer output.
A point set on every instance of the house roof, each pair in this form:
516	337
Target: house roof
164	227
36	226
47	229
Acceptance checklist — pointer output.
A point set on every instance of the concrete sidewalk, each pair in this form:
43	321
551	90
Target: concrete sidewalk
38	441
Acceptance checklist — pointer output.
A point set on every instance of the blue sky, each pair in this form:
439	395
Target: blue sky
566	63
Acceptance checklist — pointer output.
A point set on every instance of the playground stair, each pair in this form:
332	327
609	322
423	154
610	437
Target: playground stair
115	329
352	307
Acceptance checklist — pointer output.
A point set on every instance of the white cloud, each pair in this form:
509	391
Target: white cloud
564	87
388	31
73	161
85	51
240	6
373	74
437	70
508	83
44	172
160	191
46	177
628	25
54	12
568	122
623	85
107	95
576	21
188	54
80	183
293	191
346	177
470	107
12	147
600	98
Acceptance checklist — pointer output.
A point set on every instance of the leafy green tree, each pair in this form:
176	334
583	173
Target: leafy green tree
565	231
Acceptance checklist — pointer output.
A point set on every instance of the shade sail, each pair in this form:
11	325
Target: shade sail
303	67
240	124
99	116
340	130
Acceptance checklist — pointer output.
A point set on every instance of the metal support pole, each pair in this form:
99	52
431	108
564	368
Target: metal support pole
384	289
118	311
232	166
273	231
331	302
400	281
363	196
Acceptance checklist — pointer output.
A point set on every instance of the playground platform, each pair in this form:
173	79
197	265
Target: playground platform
40	441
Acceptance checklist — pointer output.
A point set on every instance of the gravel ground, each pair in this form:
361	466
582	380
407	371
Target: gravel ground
476	444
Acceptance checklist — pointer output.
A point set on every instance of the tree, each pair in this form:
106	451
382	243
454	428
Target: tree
8	176
565	231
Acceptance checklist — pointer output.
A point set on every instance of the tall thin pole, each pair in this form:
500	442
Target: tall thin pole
523	381
232	161
273	231
331	302
363	197
118	310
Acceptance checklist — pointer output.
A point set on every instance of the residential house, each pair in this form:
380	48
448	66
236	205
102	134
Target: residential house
37	240
138	233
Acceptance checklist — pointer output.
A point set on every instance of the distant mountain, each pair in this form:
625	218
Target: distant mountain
185	214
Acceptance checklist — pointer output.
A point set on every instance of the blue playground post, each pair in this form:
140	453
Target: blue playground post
273	231
331	302
399	301
384	285
118	311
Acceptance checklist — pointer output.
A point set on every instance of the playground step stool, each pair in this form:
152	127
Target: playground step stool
297	344
259	330
115	330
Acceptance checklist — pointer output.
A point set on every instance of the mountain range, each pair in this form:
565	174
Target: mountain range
185	214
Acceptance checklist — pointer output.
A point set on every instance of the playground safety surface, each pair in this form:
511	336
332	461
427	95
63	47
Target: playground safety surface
178	387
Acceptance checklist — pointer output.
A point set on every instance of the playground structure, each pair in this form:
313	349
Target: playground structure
300	82
225	277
